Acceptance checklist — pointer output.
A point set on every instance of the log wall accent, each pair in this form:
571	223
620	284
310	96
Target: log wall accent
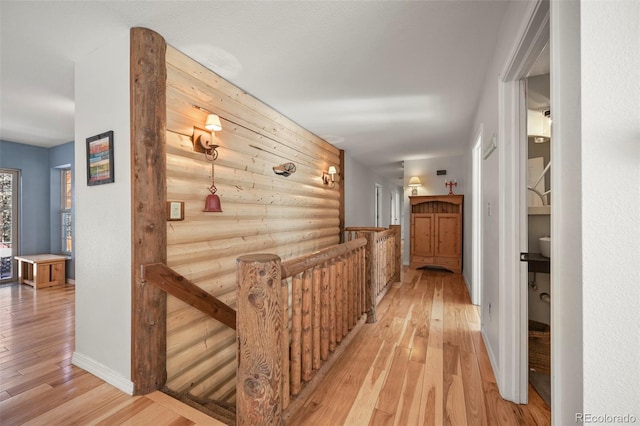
262	212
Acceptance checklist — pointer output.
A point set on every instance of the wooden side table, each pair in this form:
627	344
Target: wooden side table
41	270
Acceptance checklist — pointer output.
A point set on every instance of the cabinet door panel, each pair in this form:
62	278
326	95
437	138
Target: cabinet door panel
422	238
447	235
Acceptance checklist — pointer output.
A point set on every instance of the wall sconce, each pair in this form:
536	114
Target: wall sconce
203	142
329	177
414	183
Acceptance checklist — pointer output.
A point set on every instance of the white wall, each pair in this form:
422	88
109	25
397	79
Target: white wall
610	56
487	119
359	193
103	218
425	169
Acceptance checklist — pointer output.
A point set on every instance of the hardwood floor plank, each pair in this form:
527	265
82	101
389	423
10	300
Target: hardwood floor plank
184	410
381	418
454	400
363	406
431	409
390	392
474	401
408	411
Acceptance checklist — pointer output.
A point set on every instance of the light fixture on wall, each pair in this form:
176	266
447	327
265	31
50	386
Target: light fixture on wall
203	139
329	177
203	142
213	123
414	183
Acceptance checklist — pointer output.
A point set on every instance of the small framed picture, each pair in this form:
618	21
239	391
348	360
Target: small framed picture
175	210
100	159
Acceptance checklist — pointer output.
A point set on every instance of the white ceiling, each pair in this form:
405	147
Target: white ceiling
385	81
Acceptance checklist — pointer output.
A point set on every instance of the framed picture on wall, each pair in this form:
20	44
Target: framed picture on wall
100	159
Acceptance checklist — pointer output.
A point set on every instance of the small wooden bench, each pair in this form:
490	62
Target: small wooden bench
42	270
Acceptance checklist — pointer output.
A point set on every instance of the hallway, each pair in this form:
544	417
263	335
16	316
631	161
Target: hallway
423	363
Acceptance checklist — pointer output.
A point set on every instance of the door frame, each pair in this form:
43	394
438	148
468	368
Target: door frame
476	221
15	222
534	35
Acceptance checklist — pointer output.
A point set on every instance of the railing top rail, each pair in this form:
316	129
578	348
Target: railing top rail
364	228
295	266
386	233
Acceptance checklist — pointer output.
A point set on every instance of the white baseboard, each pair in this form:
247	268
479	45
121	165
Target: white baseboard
492	358
71	281
103	372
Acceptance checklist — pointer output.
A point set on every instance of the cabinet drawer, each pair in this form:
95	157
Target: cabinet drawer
422	259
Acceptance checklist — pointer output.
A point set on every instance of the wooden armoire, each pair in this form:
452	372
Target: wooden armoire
436	231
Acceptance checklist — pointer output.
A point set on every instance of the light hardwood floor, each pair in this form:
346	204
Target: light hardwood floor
38	384
422	363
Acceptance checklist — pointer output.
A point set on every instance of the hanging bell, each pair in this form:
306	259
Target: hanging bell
212	203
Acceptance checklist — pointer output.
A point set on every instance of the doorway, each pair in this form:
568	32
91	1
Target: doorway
537	149
378	205
512	376
476	218
9	214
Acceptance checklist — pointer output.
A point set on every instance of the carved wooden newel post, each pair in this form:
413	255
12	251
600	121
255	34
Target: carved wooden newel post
260	340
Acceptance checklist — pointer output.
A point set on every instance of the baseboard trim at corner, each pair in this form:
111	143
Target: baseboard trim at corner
103	372
492	358
71	281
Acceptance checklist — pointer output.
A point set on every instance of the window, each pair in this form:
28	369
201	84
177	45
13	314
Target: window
66	215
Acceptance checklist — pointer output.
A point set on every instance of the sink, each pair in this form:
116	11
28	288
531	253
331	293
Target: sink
545	246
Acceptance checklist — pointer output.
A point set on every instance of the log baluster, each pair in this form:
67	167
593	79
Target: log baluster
325	297
333	279
296	334
307	282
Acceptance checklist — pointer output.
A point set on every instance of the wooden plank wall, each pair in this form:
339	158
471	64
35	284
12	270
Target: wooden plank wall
262	212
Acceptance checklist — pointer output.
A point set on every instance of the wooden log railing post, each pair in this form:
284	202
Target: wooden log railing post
398	252
259	333
371	260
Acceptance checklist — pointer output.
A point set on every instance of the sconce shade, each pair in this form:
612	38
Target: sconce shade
415	181
212	204
213	123
332	170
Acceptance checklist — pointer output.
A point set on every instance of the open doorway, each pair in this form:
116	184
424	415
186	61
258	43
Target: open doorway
9	204
538	154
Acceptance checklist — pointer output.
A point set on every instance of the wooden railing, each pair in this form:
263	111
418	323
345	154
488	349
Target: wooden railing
165	278
292	318
383	260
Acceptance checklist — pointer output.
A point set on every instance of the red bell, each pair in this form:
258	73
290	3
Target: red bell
212	204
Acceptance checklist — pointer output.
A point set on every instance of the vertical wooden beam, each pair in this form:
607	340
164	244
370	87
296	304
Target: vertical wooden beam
148	76
333	304
259	331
